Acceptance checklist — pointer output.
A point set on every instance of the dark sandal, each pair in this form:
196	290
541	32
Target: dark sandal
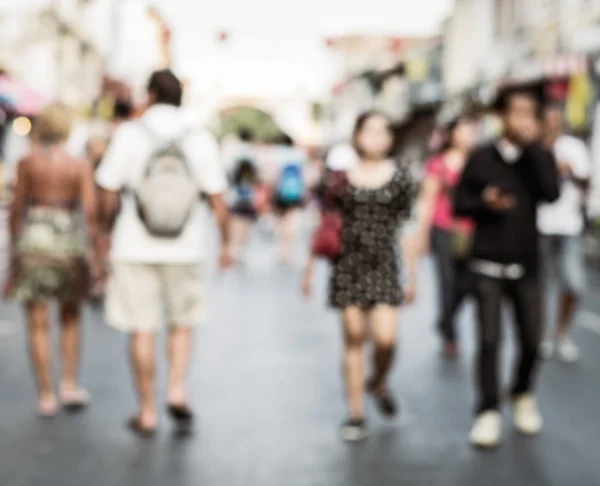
138	429
183	417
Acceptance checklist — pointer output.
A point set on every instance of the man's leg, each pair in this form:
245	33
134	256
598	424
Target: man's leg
134	305
548	269
184	290
180	353
488	295
572	280
447	284
143	360
487	429
526	297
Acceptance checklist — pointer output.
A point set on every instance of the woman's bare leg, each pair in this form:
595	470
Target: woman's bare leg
355	334
287	235
240	234
71	393
40	351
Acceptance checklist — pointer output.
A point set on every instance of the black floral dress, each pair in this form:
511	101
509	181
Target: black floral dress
367	272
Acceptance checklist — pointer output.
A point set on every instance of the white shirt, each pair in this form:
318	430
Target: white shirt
341	157
564	216
510	153
123	166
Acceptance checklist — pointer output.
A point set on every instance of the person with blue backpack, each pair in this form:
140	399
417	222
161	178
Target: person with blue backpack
244	209
289	197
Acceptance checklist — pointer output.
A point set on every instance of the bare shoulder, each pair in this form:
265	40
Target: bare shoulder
81	166
25	163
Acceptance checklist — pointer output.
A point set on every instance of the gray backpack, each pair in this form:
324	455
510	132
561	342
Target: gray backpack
167	193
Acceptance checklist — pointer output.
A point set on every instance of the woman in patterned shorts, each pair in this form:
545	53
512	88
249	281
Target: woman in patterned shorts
53	226
365	280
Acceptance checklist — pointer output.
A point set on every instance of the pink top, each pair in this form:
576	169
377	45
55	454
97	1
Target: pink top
443	212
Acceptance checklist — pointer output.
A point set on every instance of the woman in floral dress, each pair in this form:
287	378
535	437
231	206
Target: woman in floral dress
365	285
52	227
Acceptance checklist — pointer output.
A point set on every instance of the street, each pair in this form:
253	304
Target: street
266	385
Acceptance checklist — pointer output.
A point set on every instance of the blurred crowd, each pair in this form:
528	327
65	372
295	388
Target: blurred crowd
125	226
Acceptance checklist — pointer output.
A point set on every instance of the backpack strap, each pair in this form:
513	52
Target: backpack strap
166	145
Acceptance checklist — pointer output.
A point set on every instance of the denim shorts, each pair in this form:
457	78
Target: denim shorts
562	258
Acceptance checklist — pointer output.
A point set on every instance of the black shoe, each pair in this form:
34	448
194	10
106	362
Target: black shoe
354	430
385	401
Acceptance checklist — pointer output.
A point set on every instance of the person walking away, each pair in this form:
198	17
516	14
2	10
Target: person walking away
500	189
289	198
95	150
161	167
449	235
314	176
365	279
244	209
54	253
561	225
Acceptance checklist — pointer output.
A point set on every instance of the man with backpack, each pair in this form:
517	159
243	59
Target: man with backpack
289	196
157	168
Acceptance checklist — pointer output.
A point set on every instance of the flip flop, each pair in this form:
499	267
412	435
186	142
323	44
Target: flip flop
135	426
75	400
182	415
48	410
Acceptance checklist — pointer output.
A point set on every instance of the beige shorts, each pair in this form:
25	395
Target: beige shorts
140	297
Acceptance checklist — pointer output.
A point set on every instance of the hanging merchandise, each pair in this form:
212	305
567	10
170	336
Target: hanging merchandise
417	69
558	91
579	97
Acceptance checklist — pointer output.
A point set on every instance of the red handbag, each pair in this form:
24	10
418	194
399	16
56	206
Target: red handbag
327	240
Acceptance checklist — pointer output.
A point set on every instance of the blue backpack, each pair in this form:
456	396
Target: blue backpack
291	185
245	194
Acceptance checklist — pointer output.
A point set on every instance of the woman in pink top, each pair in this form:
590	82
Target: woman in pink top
449	236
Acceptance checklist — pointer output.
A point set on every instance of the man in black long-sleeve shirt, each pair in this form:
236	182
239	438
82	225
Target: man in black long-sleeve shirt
501	187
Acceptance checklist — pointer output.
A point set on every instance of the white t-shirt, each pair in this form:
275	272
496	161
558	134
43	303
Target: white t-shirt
123	166
564	216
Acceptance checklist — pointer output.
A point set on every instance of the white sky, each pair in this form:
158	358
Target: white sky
278	44
276	47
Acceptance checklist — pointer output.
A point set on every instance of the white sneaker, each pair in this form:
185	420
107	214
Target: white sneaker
527	417
567	350
547	349
487	430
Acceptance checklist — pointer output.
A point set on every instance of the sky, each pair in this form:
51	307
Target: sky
277	45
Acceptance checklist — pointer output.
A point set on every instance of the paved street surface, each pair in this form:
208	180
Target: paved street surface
267	387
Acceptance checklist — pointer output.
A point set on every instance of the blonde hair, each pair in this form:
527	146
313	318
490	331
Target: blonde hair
53	124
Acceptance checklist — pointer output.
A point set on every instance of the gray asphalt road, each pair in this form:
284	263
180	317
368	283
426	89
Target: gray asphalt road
267	388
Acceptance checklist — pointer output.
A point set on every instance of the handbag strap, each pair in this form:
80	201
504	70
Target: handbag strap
338	182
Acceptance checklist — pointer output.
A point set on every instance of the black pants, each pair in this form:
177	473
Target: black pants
454	282
525	297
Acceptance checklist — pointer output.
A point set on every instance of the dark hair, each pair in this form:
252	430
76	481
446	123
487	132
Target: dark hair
506	94
245	172
123	109
360	123
448	130
286	140
166	87
245	135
